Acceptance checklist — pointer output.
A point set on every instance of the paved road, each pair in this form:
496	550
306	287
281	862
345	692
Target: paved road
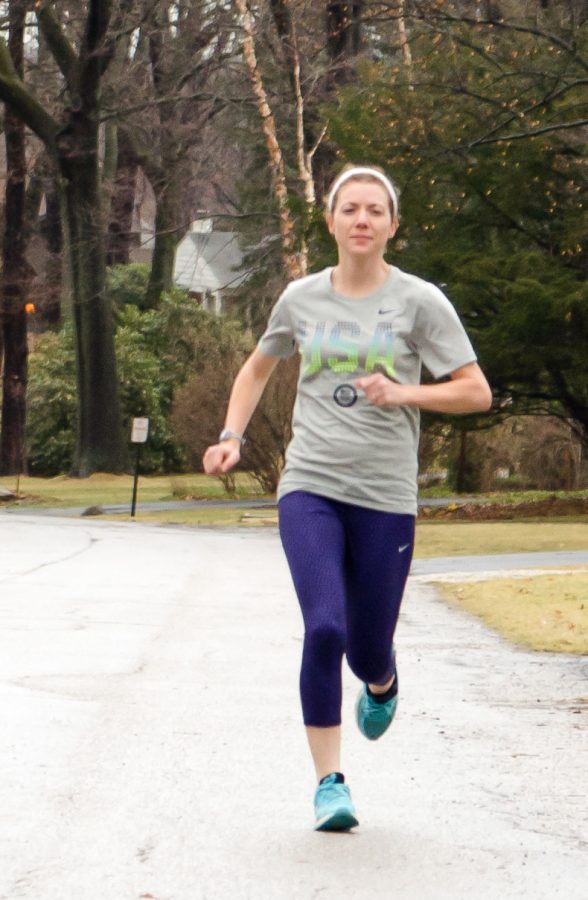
447	568
166	505
154	506
151	748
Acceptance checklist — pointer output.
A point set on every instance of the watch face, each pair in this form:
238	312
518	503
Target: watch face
345	395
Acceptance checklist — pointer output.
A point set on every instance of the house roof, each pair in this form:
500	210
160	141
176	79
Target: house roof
209	261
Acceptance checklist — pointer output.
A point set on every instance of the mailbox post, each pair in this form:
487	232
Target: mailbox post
138	436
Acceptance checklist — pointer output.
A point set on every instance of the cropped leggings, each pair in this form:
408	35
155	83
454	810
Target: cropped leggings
349	566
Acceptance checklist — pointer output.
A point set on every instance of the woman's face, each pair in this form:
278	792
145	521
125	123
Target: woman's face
361	221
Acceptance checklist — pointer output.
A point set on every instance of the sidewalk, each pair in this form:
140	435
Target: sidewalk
151	745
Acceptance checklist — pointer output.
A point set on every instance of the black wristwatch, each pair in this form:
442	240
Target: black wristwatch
226	434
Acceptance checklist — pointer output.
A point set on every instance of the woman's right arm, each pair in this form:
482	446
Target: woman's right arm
247	389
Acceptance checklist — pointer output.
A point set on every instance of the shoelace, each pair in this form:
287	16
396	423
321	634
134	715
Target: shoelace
326	793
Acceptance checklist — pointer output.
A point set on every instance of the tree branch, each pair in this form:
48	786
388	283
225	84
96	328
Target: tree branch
508	219
61	49
120	112
14	93
95	54
505	25
205	64
571	403
117	32
535	132
545	101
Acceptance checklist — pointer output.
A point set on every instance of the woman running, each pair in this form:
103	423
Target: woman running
347	497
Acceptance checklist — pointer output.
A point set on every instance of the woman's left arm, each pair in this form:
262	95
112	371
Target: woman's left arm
467	391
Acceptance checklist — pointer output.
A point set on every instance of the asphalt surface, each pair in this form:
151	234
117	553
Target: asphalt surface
151	744
449	568
168	505
155	506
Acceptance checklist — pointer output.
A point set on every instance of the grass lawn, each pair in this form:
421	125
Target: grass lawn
201	518
482	538
543	612
502	496
110	490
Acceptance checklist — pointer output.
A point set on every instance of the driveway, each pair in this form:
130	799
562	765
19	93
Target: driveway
151	744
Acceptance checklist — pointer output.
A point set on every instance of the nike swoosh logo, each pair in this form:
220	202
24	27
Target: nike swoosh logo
403	548
382	312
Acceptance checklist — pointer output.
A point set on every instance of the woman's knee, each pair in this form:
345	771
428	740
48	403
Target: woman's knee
371	668
324	640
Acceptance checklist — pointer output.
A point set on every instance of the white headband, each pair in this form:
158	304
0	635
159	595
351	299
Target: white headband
363	170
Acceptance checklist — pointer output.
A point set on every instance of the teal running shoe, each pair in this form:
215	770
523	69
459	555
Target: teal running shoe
374	718
332	805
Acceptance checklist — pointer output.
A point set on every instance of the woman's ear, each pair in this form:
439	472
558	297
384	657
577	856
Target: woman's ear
393	228
329	221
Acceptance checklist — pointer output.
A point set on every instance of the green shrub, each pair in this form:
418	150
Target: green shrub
127	285
51	403
157	350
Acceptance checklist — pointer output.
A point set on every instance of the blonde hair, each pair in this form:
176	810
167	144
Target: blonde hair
363	173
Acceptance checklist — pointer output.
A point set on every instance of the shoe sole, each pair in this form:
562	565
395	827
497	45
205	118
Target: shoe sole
338	820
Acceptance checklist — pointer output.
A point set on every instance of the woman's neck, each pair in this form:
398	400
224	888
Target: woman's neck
359	278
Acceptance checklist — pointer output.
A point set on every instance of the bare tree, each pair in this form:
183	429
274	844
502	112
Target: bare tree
72	141
122	201
294	263
16	272
294	130
170	76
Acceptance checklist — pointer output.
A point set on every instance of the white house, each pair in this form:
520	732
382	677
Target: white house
209	263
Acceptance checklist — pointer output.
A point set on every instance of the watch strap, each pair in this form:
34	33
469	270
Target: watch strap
226	435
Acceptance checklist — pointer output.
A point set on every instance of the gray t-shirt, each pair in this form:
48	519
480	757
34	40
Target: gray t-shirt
343	447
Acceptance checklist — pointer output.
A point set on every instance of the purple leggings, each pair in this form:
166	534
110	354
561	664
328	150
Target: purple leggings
349	565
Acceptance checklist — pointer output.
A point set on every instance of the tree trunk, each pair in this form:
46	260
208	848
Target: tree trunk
15	277
462	462
73	146
42	185
14	318
294	262
343	23
122	205
100	445
343	28
403	36
166	240
51	307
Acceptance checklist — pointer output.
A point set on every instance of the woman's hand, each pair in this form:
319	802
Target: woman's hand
220	458
467	391
382	391
247	389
